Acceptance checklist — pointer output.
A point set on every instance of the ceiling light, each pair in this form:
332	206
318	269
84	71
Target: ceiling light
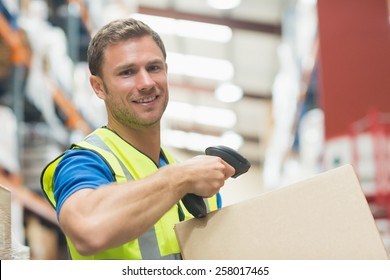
200	66
232	140
228	92
187	28
217	117
204	31
224	4
199	142
159	24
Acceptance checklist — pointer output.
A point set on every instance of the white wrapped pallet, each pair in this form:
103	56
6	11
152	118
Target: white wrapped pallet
5	224
8	141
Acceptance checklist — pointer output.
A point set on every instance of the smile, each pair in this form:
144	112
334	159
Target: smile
147	100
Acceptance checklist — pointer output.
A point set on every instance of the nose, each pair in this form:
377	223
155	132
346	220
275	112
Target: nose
144	80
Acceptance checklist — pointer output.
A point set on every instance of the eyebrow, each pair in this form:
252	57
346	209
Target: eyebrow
122	67
132	65
156	61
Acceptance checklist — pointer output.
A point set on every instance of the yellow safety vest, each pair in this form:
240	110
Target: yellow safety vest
127	163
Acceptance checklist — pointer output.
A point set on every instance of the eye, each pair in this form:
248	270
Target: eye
154	68
127	72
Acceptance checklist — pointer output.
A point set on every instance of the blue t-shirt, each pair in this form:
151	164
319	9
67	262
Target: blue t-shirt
79	169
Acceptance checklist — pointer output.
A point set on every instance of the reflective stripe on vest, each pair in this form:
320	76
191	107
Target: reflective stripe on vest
96	141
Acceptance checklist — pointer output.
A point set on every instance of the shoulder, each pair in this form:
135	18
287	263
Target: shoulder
82	162
81	155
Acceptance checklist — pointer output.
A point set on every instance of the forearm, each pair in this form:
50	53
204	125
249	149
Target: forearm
111	215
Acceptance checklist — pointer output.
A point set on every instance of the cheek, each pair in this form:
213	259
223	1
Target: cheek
120	89
163	84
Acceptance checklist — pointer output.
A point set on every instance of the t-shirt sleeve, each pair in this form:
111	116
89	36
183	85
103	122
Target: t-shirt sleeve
79	169
219	200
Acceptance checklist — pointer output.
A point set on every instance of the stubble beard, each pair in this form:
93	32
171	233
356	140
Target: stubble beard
128	118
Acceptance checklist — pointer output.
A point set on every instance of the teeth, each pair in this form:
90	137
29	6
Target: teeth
146	100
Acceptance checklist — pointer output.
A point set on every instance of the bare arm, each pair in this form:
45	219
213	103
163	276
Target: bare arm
103	218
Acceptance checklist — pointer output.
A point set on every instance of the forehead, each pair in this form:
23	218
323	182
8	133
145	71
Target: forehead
133	48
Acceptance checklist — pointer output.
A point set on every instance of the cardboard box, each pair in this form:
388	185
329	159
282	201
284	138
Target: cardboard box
325	217
5	224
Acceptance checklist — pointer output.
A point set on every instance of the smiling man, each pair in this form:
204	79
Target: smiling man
118	192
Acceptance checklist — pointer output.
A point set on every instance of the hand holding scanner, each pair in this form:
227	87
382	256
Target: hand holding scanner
194	203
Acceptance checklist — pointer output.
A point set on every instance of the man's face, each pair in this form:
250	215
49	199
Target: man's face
134	83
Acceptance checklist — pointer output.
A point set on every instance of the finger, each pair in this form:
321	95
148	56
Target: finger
229	170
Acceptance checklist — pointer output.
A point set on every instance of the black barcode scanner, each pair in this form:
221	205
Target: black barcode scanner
194	203
232	157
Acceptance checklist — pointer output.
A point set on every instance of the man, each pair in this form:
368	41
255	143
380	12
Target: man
117	193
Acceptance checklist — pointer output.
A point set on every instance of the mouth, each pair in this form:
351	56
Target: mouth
146	100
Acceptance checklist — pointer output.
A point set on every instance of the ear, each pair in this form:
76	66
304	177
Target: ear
98	87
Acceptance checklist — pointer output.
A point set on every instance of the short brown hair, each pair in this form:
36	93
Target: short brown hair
115	32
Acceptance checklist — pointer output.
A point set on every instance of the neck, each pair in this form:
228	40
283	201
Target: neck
146	140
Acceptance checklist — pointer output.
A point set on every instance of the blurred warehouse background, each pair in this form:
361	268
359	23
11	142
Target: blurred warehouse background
297	86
